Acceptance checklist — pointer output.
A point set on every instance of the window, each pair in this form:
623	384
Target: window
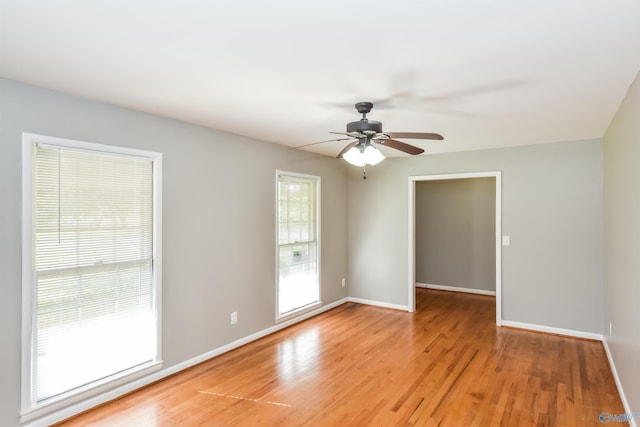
91	267
298	244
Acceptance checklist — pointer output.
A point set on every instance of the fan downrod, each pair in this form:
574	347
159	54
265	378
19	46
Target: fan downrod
364	125
364	108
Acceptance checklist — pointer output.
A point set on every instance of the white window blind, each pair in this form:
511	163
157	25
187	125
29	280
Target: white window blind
298	249
93	295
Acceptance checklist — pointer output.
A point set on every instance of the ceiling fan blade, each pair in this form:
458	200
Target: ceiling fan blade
415	135
347	148
409	149
351	134
319	142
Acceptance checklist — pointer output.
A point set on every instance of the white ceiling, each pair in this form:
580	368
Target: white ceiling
483	74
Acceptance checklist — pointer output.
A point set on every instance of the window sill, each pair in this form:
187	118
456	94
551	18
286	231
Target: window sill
299	312
85	393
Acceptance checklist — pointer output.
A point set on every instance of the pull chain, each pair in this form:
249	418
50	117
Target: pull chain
364	172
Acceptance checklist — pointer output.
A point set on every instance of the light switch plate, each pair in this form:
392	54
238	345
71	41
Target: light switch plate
506	240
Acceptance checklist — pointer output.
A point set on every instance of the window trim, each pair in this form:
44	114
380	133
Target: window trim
29	409
302	310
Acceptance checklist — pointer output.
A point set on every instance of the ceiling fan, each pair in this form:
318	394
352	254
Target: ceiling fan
364	133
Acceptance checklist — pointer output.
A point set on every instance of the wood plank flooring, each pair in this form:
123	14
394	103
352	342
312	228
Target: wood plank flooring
446	364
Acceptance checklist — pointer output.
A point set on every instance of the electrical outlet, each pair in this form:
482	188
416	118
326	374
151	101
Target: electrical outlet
234	317
344	282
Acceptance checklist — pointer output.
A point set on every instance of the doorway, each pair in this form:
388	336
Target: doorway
413	180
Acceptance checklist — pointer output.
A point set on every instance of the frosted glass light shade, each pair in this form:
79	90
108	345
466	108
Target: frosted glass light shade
372	156
354	156
358	157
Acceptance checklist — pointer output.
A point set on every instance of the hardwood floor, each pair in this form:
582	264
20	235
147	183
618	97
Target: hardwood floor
446	364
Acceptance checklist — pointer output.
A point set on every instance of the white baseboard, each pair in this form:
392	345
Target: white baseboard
378	303
455	289
87	404
553	330
616	377
122	390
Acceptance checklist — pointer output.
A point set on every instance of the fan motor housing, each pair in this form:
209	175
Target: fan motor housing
365	125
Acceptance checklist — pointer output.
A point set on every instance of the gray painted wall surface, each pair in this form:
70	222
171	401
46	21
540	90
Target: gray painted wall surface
622	242
455	233
218	221
552	274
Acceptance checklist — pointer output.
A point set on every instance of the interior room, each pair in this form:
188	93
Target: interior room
230	108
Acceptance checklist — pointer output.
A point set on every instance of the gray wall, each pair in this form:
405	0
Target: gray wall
455	233
218	213
552	274
622	242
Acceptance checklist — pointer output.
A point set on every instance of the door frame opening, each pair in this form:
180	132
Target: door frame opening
411	303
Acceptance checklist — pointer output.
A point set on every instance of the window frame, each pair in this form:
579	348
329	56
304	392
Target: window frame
296	312
31	409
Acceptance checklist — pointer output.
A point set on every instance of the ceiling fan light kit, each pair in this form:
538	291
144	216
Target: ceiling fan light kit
363	154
